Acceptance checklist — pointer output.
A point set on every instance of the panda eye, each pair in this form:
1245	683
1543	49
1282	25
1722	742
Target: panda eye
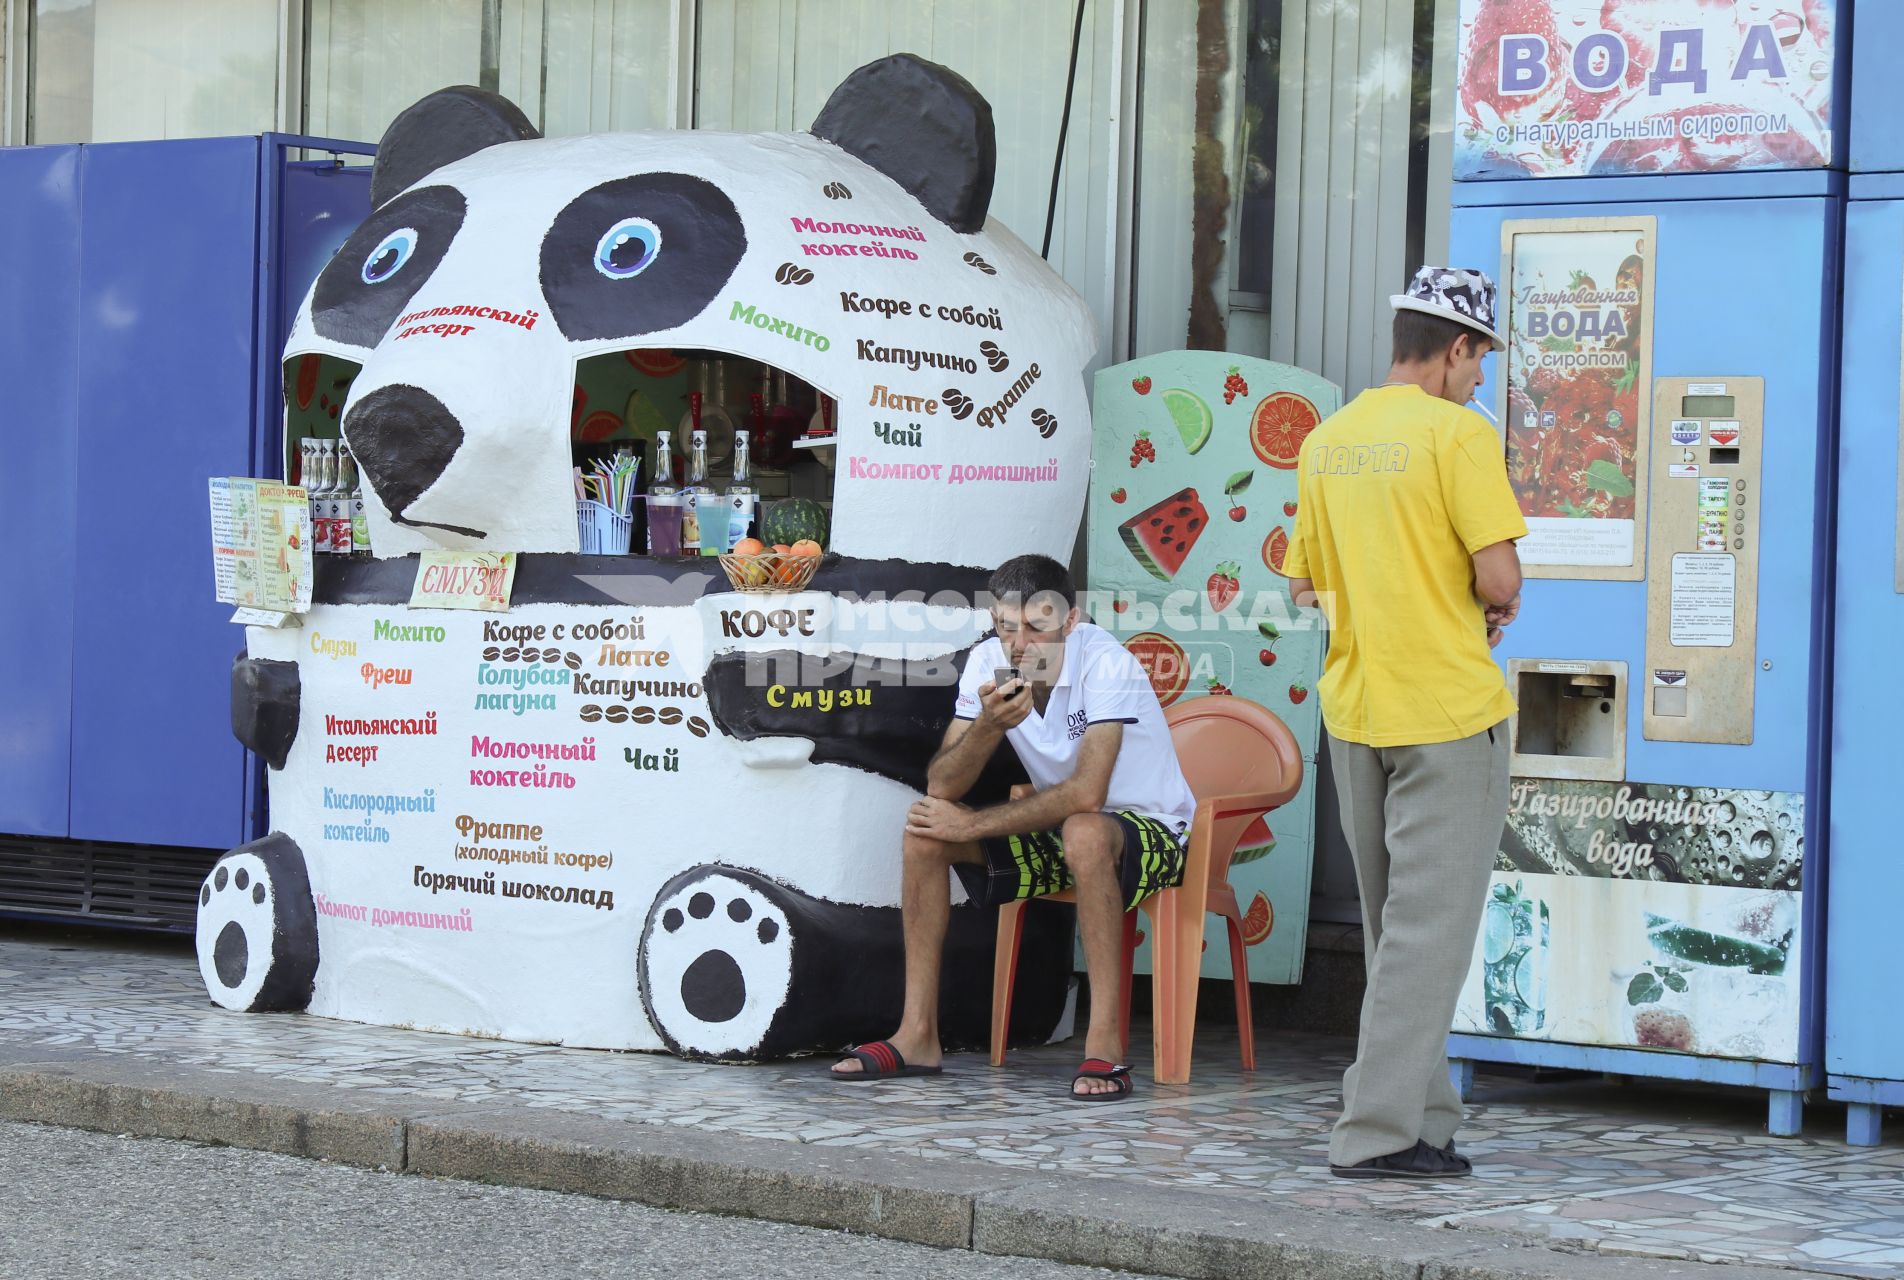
389	256
628	248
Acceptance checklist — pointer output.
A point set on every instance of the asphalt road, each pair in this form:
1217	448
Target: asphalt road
88	1204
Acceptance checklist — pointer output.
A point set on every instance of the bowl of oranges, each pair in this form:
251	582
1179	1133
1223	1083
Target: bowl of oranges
754	567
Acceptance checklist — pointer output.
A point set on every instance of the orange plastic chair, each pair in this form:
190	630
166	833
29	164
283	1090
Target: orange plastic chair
1241	762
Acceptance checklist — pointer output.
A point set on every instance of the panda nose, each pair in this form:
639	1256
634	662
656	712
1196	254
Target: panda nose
404	439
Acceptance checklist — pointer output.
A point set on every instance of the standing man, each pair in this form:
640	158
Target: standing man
1108	816
1405	535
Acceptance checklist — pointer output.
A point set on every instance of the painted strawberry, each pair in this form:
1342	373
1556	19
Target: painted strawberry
1217	687
1289	508
1223	586
1298	693
1141	385
1118	495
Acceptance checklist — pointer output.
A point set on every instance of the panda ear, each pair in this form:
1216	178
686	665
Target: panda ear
922	125
443	127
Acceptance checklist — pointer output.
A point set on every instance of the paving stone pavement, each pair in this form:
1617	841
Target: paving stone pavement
1642	1171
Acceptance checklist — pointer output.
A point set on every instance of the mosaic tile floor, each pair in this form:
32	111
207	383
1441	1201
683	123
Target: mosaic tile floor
1647	1171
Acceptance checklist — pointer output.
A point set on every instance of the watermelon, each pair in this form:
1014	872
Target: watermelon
790	519
1160	537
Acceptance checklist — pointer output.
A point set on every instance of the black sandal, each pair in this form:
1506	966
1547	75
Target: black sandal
1099	1069
1419	1161
879	1061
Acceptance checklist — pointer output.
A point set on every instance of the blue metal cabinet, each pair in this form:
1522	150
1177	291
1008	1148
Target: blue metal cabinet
150	289
39	324
167	290
1864	1036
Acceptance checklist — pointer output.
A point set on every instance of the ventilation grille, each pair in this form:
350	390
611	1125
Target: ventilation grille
131	886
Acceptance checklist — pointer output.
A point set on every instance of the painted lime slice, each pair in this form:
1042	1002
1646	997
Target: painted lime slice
1530	980
1191	415
1498	937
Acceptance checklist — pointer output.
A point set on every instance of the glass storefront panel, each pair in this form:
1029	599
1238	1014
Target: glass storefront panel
573	66
122	70
771	64
366	60
1336	177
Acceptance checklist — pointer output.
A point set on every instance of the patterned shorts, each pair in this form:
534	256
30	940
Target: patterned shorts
1026	866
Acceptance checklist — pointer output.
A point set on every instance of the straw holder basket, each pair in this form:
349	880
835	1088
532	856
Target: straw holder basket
603	531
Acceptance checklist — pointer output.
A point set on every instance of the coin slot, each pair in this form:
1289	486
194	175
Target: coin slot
1723	457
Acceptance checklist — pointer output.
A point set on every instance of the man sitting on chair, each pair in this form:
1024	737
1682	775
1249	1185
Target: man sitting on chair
1108	816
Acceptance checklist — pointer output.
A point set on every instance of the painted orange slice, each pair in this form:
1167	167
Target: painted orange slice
1164	661
656	362
1275	547
1282	421
1259	920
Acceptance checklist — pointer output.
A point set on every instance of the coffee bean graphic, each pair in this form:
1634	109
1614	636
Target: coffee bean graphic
1045	423
836	191
997	359
972	259
789	273
958	402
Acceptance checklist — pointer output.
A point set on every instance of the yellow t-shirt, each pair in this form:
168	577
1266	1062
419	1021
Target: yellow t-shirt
1397	491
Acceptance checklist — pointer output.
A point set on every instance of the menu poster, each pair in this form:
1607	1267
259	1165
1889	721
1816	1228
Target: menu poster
1579	350
261	544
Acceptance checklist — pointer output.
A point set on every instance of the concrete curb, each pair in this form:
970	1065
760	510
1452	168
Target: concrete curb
945	1202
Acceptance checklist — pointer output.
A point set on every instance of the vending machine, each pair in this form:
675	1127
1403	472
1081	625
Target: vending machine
1864	1037
1650	183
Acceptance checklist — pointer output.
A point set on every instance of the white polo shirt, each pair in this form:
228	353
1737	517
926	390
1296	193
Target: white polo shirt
1100	681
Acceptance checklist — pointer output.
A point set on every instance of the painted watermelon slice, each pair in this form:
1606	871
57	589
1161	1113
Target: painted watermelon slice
1160	536
1257	841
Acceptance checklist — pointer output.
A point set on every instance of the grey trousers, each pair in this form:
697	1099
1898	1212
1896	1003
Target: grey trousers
1424	825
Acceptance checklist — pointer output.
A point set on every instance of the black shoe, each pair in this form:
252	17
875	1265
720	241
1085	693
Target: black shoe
1419	1161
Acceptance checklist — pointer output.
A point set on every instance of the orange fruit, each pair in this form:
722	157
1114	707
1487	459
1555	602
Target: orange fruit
1258	920
1164	661
1275	547
806	547
749	547
1282	421
781	549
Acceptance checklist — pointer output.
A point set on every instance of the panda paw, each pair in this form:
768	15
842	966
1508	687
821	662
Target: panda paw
716	964
257	928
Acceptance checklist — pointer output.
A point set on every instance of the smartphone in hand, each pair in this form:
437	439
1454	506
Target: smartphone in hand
1001	675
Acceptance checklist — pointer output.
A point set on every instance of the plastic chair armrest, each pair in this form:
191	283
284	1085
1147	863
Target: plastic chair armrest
1248	803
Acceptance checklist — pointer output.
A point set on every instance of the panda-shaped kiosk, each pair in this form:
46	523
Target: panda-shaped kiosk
640	810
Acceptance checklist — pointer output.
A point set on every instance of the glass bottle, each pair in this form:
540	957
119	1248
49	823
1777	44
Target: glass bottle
742	498
664	501
698	499
317	486
343	532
